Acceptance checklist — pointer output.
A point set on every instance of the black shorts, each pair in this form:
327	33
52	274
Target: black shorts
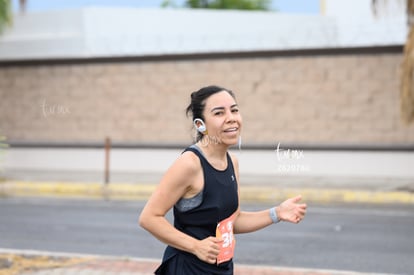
182	263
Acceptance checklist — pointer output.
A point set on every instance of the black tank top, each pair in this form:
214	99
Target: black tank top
219	201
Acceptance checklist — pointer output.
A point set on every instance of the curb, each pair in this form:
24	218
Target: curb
130	265
138	191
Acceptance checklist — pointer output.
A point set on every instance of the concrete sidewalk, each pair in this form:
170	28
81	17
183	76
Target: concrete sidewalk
15	262
266	176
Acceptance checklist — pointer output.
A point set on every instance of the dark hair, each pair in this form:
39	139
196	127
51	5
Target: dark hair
198	102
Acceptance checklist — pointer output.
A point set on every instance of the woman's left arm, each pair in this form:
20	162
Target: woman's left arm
290	211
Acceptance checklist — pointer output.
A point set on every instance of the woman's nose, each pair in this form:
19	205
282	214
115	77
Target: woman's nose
230	116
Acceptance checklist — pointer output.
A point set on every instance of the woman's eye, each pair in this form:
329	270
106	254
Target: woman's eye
235	110
218	113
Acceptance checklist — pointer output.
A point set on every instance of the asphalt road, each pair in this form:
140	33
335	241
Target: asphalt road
343	237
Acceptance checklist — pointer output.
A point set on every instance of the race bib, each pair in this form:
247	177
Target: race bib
224	231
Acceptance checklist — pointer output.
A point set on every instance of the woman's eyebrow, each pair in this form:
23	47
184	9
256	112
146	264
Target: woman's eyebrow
217	109
222	108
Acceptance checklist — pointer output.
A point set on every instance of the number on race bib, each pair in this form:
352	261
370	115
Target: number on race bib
225	232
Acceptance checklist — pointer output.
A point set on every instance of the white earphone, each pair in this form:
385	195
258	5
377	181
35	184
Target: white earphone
201	128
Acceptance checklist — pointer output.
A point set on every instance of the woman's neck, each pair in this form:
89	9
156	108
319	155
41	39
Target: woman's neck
217	151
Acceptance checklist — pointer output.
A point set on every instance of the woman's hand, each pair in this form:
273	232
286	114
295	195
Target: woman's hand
291	210
208	249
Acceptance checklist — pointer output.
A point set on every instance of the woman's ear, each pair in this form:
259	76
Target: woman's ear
200	125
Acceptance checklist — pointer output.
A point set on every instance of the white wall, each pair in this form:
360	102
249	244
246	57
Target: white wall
359	26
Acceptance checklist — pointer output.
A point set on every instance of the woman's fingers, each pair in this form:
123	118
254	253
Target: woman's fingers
209	249
294	210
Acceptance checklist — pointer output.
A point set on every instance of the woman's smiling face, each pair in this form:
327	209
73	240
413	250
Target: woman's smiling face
222	118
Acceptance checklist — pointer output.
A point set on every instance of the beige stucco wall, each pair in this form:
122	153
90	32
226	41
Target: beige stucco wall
310	99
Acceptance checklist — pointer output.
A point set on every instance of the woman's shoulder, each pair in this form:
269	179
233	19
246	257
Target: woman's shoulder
182	171
189	161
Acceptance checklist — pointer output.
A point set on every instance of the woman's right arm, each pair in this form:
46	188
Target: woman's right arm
176	182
